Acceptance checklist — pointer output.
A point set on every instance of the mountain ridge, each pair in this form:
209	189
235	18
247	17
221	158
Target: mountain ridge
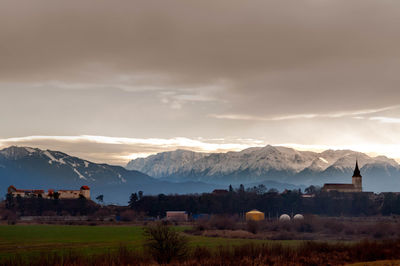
274	163
27	167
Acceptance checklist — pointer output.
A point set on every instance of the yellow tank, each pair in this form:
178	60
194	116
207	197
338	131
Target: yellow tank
255	215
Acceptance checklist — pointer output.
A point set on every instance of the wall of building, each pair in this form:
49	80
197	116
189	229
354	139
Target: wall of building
63	194
85	193
69	194
177	216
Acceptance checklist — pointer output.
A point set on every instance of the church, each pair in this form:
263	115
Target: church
356	185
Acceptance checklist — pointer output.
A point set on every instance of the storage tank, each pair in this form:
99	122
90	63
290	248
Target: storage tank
255	215
298	217
284	218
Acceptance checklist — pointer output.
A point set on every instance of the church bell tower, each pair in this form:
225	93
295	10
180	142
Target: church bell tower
357	178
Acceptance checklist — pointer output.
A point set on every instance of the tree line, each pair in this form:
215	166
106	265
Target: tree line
271	202
38	206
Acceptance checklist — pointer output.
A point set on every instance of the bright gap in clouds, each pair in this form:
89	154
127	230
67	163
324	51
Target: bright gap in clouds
115	150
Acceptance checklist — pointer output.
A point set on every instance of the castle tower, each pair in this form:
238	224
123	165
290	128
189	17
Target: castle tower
85	191
357	178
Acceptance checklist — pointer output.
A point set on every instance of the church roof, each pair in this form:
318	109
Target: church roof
338	186
357	172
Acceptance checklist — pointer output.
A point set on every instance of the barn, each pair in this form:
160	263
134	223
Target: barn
178	216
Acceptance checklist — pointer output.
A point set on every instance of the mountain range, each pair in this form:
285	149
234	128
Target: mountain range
271	163
184	171
29	168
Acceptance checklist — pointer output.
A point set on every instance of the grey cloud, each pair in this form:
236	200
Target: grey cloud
160	68
259	45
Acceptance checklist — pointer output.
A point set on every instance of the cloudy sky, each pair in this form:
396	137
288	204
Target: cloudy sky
113	80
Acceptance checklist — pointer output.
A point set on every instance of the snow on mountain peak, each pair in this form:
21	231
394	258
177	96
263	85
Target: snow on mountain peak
15	152
52	158
323	159
257	161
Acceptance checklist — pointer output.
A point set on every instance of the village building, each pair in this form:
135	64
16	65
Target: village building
356	185
178	216
62	194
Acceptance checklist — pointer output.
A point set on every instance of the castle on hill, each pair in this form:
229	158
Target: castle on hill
356	185
40	193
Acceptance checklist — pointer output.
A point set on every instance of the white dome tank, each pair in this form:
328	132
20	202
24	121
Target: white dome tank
298	217
284	218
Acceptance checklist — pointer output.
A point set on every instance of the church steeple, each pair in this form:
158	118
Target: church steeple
357	172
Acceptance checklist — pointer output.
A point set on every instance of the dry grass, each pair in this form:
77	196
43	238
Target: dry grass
311	228
308	253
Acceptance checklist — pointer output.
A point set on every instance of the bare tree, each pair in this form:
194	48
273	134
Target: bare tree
164	243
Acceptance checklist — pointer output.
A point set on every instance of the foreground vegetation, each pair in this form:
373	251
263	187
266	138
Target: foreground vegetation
308	228
306	253
34	239
164	244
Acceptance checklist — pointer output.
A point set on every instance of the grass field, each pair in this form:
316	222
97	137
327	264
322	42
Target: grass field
29	239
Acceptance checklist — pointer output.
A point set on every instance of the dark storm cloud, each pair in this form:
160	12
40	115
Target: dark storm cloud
277	56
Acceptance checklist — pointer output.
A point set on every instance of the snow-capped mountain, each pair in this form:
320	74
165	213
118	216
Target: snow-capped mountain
166	163
26	167
271	163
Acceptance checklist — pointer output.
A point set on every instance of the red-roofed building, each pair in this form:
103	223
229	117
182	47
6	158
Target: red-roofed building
25	192
63	194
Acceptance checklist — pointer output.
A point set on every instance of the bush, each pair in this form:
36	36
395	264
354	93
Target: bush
252	226
304	226
201	253
128	216
11	218
334	226
201	225
223	222
164	244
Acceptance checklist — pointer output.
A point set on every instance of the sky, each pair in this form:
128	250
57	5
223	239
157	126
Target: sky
115	80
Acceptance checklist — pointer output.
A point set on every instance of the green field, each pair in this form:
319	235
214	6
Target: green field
30	239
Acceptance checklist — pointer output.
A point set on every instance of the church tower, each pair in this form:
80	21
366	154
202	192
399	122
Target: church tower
357	178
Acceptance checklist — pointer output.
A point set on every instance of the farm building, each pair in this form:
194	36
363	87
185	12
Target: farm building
201	216
255	215
62	194
179	216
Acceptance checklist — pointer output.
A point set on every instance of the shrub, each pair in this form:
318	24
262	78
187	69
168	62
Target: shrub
252	226
164	244
11	218
304	226
223	222
334	226
201	253
128	216
201	225
381	230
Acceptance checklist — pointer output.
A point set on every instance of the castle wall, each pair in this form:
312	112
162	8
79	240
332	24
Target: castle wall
69	194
